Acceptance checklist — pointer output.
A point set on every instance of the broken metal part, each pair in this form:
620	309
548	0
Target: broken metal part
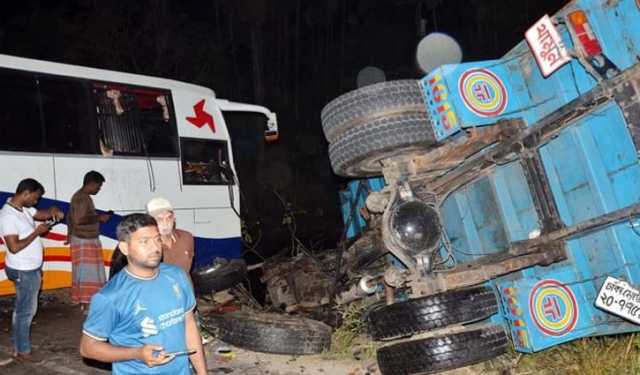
389	294
299	281
541	191
485	269
581	229
440	160
423	262
377	201
356	291
368	284
394	277
628	98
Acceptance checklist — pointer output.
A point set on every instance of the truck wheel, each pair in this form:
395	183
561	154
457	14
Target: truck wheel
270	333
441	353
221	275
406	318
359	150
368	103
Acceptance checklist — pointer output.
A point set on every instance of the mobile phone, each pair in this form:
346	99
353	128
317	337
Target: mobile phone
50	222
183	352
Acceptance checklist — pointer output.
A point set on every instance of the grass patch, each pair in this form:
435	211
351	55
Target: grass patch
591	356
350	339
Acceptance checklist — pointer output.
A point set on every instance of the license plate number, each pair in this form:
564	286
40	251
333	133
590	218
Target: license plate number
619	298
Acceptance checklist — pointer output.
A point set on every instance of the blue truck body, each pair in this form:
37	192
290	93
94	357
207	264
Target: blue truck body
591	166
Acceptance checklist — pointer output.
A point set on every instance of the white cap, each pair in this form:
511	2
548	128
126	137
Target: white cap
158	204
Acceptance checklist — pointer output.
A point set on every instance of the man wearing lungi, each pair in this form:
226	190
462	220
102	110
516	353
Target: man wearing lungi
87	273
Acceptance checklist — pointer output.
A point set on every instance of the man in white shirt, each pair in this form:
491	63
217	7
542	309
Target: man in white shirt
23	261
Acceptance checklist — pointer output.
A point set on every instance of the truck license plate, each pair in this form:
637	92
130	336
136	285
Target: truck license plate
619	298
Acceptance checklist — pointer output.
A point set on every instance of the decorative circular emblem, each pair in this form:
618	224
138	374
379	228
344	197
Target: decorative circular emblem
553	308
482	92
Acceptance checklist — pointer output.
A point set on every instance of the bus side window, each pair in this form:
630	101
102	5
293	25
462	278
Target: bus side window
21	127
70	124
135	121
117	129
157	128
205	162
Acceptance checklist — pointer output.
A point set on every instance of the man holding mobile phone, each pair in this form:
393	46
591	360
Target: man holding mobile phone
21	233
87	265
142	320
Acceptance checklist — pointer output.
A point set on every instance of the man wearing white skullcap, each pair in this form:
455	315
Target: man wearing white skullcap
177	244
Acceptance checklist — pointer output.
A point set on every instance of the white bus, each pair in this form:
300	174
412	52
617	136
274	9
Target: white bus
148	136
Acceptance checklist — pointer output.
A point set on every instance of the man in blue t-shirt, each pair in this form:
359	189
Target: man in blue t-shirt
142	320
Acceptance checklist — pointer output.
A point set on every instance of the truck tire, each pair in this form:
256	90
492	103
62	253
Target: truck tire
359	151
368	103
270	333
409	317
441	353
221	275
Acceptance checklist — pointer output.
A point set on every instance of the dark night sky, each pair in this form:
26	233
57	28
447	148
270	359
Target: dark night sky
292	56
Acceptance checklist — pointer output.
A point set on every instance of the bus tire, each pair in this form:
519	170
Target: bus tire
441	353
368	103
360	150
270	333
223	274
413	316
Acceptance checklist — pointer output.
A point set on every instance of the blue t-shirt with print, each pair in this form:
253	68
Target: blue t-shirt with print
131	311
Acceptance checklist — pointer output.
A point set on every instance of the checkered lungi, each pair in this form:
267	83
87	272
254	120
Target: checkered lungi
87	275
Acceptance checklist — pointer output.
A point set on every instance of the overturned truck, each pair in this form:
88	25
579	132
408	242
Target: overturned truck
508	206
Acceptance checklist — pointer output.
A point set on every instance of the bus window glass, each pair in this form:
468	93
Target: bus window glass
156	122
135	121
69	117
20	120
205	162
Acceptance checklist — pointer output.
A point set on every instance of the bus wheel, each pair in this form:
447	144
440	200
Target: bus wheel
441	353
359	151
413	316
270	333
369	103
221	275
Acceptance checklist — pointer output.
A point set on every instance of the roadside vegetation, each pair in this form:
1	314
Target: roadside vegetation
591	356
350	340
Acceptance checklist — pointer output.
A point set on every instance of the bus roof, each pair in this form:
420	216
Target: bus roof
47	67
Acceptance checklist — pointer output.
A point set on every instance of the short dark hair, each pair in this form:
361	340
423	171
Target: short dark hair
132	223
93	177
30	185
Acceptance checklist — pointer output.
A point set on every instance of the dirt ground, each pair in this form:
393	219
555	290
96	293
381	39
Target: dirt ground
57	329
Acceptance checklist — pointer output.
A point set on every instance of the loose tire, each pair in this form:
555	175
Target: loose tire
441	353
359	150
270	333
369	103
409	317
223	274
